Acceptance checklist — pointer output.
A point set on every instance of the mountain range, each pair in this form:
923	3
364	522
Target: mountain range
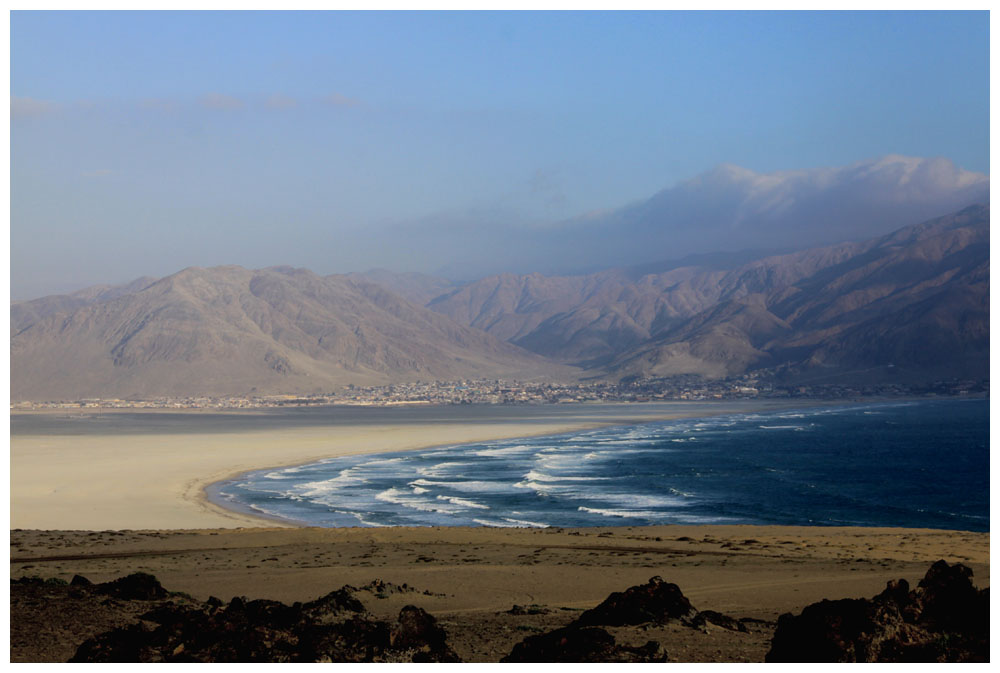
916	299
913	304
232	330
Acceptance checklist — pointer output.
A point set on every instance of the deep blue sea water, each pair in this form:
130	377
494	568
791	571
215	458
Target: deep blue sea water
912	464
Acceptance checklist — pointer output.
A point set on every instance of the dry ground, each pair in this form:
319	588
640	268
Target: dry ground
470	578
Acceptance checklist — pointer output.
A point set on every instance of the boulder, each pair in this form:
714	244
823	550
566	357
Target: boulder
134	587
417	630
581	644
656	601
946	619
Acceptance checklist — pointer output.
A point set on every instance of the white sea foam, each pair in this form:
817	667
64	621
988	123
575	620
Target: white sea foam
510	523
527	524
396	496
440	469
641	501
360	517
463	502
541	476
384	461
543	488
464	486
559	461
782	427
623	513
506	451
349	477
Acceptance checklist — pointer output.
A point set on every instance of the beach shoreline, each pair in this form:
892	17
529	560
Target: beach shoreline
130	478
205	493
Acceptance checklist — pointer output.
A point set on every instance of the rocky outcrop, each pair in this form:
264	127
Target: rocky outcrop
945	619
656	601
137	587
576	644
333	628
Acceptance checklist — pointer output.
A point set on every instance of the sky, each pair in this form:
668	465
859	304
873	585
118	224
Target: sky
146	142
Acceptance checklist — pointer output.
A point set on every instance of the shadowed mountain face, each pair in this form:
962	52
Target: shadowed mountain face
916	299
232	330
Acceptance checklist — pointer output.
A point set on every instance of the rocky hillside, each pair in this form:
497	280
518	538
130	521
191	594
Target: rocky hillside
913	304
916	299
231	330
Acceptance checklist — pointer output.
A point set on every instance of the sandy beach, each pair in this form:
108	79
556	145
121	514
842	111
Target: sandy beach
130	479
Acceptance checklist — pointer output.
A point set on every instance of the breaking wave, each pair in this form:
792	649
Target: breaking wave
743	468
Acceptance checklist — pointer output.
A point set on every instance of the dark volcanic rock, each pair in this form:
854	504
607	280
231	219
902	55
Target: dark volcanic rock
574	644
656	601
135	587
332	606
333	628
946	619
417	630
724	621
581	641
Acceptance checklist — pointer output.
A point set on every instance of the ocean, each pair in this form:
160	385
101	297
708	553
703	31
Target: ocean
921	464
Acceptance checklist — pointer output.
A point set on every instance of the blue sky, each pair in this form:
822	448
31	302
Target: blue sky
145	142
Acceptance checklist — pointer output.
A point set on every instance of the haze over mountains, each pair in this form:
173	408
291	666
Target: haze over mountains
727	209
917	299
913	304
876	300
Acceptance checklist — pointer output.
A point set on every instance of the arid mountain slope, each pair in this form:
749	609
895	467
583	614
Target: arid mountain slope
25	313
418	288
916	298
233	330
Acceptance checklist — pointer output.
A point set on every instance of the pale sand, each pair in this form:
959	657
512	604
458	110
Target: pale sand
157	481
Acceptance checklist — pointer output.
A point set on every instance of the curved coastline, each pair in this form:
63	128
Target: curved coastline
121	473
210	497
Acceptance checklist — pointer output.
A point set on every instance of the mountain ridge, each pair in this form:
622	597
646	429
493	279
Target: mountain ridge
914	300
231	330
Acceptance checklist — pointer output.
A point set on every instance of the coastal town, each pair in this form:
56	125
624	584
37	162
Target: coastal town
499	391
